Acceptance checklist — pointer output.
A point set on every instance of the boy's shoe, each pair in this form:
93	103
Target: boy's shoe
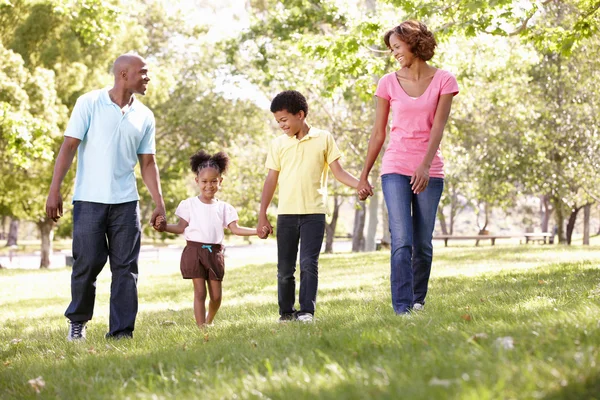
76	331
286	317
306	318
418	307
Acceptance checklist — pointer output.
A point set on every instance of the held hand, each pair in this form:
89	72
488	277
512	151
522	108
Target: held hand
264	228
158	211
364	189
54	205
420	179
160	224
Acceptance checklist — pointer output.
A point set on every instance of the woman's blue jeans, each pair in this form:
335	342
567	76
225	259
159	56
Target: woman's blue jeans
412	221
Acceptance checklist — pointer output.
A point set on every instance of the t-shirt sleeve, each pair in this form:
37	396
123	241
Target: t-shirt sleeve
229	215
449	84
79	123
183	210
333	153
148	143
383	89
273	160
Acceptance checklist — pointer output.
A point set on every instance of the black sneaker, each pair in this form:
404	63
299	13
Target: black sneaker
119	336
76	331
286	317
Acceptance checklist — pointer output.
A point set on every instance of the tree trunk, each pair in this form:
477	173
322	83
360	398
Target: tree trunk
560	230
46	227
370	243
3	227
13	232
442	219
545	212
386	240
587	209
453	208
571	223
330	227
358	236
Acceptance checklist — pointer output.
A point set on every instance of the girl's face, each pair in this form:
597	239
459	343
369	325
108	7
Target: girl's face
401	51
209	181
290	123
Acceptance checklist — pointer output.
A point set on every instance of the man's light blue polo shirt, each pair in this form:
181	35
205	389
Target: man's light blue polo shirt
110	144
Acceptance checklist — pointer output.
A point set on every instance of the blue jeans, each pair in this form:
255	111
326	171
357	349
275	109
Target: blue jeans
412	221
308	229
101	232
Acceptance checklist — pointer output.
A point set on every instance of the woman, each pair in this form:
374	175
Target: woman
412	175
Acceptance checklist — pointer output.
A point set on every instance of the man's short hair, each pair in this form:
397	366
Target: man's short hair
290	100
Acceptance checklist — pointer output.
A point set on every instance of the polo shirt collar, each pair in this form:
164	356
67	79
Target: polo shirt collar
106	99
312	133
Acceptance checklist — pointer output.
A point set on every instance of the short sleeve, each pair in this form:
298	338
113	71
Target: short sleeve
79	123
183	211
449	84
273	159
383	90
333	153
148	143
229	215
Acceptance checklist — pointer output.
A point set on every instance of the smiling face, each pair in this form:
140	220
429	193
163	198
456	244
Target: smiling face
137	76
290	123
401	51
209	181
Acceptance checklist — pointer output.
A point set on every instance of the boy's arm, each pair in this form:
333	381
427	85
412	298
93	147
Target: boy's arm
342	175
267	195
241	230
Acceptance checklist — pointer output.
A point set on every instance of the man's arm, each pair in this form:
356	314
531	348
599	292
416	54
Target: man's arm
151	179
267	195
54	203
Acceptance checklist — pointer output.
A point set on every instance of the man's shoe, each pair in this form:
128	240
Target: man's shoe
306	318
286	317
418	307
76	331
119	336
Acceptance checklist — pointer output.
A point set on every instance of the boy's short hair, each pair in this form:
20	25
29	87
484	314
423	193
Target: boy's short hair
290	100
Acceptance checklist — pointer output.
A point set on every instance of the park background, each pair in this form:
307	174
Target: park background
522	154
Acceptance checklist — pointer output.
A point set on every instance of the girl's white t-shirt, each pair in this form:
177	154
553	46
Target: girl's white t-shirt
206	222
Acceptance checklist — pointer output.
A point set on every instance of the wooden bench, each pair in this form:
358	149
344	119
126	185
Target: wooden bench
493	238
542	237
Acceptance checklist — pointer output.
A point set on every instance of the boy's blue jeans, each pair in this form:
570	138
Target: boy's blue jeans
308	229
412	221
101	232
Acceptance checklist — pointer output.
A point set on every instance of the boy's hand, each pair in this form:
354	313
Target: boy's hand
160	223
364	189
264	228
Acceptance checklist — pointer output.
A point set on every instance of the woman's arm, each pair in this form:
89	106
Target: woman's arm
420	178
376	141
241	230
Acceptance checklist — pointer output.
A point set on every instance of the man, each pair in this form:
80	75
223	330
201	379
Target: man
112	131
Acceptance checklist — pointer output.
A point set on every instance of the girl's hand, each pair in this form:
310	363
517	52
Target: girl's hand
160	223
420	179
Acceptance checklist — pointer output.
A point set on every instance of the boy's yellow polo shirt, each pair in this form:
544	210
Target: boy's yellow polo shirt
303	166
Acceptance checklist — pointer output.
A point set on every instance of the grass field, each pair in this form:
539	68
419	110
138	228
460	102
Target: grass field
502	322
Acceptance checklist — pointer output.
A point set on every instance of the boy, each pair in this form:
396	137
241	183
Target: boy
298	161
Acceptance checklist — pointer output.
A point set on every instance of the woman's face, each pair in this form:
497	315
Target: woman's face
401	51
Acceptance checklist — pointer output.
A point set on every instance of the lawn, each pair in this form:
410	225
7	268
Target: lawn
501	322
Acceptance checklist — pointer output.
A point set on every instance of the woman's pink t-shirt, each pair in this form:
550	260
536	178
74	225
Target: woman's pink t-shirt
411	123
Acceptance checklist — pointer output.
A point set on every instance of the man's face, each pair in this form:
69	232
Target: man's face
290	123
137	77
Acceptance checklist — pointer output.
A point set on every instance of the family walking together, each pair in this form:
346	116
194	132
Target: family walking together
111	131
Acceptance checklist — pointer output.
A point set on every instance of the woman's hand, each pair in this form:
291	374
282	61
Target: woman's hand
420	179
364	189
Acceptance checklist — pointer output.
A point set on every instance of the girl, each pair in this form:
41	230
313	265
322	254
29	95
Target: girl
202	220
412	174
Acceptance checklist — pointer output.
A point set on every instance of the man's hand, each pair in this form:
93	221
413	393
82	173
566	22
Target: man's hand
54	205
160	224
158	211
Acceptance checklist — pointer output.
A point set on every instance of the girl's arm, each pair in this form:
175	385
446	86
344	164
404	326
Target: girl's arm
420	178
171	228
241	230
378	134
342	175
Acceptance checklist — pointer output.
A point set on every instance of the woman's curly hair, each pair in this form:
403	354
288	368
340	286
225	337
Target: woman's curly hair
416	35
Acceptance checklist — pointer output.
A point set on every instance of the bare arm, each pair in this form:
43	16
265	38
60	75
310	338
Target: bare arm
241	230
151	179
175	228
420	178
267	195
342	175
376	141
54	203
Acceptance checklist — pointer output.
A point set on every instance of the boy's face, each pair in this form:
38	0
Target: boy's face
291	124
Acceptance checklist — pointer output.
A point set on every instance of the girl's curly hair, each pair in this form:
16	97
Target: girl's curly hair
201	160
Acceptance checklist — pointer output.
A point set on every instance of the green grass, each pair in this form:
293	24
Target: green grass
545	298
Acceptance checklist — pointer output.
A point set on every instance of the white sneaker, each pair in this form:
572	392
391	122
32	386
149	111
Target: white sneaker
306	318
418	307
76	331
